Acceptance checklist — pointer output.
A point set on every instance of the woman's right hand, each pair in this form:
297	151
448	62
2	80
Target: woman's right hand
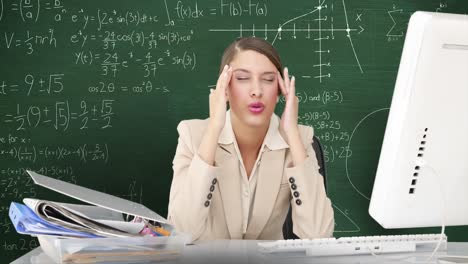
218	99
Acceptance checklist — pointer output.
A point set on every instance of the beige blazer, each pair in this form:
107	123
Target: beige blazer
205	201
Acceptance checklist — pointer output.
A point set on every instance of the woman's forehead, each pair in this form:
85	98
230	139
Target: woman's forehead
252	61
242	70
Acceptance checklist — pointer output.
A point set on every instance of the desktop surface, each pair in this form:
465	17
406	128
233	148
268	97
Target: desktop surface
245	251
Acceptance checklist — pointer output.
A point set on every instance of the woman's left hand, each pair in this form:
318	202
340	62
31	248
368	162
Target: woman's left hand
288	124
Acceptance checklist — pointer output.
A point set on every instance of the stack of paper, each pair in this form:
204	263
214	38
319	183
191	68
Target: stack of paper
26	221
105	218
73	220
100	231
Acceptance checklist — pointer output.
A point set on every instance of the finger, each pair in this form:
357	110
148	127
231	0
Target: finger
228	80
287	81
281	85
228	76
225	68
220	78
225	79
292	87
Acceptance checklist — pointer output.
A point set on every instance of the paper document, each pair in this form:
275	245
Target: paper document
26	221
92	213
59	214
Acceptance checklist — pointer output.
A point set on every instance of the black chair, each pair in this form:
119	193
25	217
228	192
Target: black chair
288	224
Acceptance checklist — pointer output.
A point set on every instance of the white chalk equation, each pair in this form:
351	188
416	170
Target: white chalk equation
60	115
35	153
322	29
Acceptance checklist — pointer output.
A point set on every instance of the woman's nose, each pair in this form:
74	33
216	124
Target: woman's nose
256	89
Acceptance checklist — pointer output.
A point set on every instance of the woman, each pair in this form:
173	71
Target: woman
237	172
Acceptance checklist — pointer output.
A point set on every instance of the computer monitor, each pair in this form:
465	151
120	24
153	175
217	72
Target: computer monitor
422	175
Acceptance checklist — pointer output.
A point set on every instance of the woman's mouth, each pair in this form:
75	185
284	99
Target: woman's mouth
256	108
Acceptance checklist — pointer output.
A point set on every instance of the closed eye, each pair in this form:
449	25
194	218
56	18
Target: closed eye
269	80
242	78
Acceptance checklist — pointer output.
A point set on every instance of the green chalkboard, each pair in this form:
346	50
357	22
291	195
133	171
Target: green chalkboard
91	92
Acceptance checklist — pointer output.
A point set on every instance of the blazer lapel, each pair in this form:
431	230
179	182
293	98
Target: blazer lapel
268	185
229	188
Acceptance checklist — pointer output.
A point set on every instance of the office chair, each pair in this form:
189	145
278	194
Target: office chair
288	224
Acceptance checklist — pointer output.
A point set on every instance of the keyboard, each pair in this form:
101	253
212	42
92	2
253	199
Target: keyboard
356	245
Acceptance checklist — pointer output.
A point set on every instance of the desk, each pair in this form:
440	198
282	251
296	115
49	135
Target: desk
245	251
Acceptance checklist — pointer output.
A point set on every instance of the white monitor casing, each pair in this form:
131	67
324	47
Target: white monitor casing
427	127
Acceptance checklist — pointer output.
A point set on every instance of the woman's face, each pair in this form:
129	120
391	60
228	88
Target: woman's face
253	90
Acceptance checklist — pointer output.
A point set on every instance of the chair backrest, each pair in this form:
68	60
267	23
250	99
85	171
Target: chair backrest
288	224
